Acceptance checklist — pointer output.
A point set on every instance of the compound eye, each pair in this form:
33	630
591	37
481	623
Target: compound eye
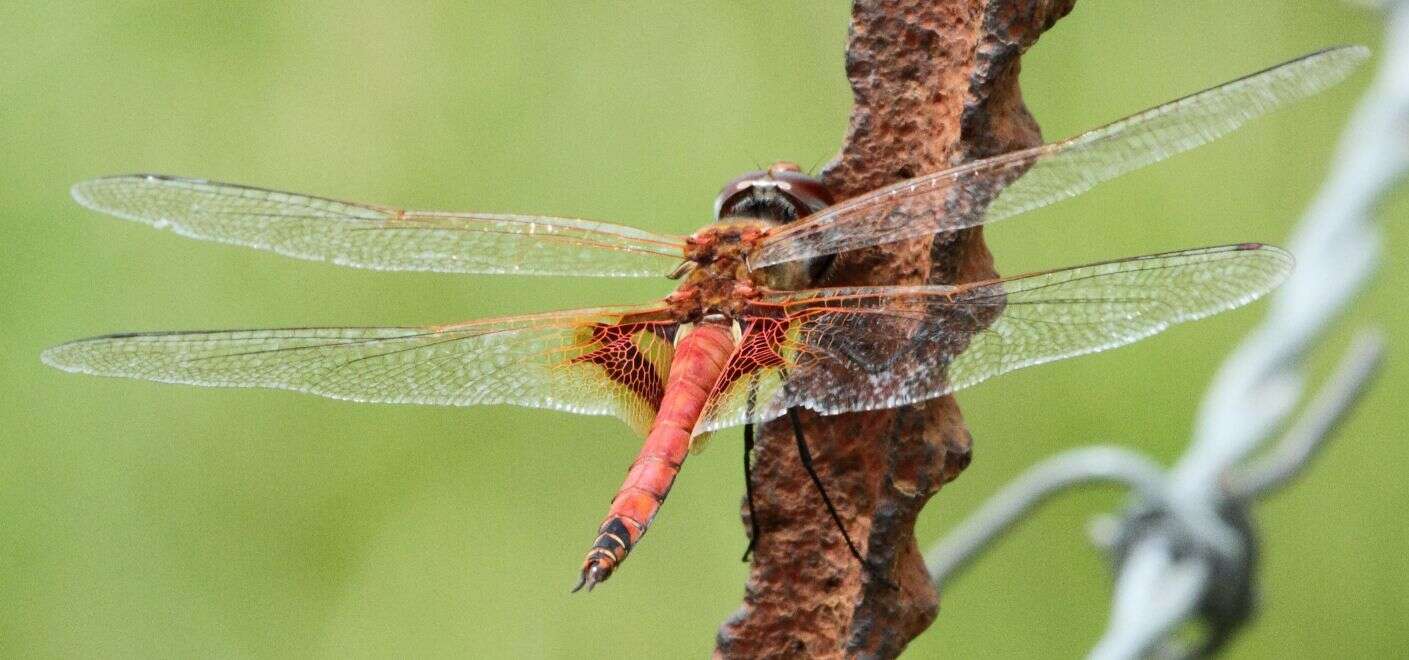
806	192
736	189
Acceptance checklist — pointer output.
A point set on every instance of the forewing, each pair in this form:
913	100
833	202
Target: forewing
963	196
843	350
381	238
594	362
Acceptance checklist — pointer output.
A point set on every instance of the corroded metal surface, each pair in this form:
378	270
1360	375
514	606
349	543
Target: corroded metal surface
935	83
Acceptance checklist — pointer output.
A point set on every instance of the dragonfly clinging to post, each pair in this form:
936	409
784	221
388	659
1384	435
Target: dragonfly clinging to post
747	335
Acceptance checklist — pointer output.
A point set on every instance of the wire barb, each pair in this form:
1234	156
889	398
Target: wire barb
1359	366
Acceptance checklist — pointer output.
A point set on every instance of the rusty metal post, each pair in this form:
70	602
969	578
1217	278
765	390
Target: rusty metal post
935	83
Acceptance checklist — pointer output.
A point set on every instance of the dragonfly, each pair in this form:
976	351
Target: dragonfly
747	335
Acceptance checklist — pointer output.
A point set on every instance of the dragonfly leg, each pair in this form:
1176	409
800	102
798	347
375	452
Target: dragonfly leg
806	455
748	490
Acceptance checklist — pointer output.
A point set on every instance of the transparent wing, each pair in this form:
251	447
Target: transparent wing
381	238
963	196
593	362
843	350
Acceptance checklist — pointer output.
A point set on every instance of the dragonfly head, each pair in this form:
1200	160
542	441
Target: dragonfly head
780	194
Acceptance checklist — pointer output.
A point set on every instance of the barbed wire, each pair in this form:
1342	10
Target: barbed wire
1185	548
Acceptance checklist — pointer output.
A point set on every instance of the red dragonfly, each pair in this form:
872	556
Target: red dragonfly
743	339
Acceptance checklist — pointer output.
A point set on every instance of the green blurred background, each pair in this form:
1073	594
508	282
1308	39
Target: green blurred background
149	520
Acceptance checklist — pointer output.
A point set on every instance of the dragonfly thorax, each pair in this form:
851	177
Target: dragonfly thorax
720	281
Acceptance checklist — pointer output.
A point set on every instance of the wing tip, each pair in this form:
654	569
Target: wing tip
1282	262
1352	53
81	193
1286	259
57	357
68	356
87	193
1341	61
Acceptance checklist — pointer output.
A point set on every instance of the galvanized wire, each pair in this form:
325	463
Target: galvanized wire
1185	548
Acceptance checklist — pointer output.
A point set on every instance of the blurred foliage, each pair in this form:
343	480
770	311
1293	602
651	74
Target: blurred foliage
148	520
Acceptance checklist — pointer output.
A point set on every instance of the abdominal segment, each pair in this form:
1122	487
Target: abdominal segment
699	361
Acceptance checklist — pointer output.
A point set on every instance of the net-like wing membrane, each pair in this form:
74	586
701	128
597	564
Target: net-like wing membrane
594	362
381	238
843	350
963	196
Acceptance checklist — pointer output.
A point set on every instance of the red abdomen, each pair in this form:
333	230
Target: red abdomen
699	360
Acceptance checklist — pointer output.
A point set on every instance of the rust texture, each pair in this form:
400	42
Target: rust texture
935	83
